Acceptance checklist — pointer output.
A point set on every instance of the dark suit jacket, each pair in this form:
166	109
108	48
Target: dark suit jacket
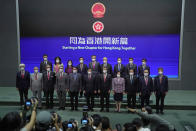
141	70
43	66
89	84
82	71
105	86
134	67
109	69
75	85
160	87
131	87
143	88
122	70
22	82
97	68
49	84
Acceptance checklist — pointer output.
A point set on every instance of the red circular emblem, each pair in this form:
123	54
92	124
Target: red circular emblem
98	10
98	26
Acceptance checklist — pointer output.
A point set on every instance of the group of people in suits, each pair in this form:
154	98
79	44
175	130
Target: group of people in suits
93	81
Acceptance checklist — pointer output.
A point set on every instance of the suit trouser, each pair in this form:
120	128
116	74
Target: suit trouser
107	97
74	95
131	100
160	97
90	99
62	97
145	98
38	94
49	96
23	92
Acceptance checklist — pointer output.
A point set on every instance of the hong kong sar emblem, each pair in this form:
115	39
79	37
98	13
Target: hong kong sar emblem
98	26
98	10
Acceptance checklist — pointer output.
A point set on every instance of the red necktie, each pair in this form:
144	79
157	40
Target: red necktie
35	76
104	78
22	75
48	75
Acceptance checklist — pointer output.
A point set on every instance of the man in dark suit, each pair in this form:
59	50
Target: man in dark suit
44	63
48	84
145	88
119	68
94	65
142	67
106	65
131	84
89	89
22	83
131	65
160	89
75	85
82	69
105	86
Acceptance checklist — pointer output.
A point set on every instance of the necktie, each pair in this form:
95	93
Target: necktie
35	76
93	65
160	80
104	78
81	66
22	75
118	67
89	77
61	76
131	79
146	81
48	75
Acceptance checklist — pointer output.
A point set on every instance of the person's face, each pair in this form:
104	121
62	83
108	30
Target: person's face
160	72
89	72
81	60
131	72
104	70
119	61
57	60
69	63
105	60
93	58
45	58
145	72
130	61
118	74
22	68
143	62
74	70
61	69
36	70
48	68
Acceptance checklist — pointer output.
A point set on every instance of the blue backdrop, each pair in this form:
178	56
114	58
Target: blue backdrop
159	50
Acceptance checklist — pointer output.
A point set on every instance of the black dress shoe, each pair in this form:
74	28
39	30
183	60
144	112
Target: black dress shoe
101	110
107	110
59	108
162	112
72	109
76	109
157	112
92	109
63	108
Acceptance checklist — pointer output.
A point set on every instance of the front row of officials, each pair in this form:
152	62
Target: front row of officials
101	85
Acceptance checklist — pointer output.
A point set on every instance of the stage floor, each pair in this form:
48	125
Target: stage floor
175	99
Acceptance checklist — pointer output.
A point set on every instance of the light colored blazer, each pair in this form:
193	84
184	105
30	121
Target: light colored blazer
36	85
62	83
118	85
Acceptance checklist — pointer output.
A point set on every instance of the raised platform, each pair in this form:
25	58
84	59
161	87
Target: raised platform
175	99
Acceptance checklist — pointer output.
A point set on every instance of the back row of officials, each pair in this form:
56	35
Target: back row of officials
95	80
